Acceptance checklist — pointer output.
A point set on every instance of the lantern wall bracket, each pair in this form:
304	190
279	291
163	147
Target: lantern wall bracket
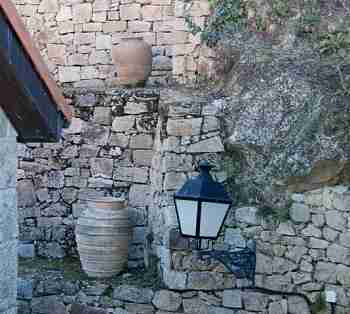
241	263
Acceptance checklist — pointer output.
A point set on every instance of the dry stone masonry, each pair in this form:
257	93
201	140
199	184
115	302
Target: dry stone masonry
49	292
143	144
8	217
76	37
107	150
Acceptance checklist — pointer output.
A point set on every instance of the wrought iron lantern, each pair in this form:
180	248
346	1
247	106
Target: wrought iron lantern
202	205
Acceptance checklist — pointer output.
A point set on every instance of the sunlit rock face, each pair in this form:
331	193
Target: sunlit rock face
285	111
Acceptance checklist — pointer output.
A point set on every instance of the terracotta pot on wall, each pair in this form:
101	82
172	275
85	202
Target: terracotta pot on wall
133	59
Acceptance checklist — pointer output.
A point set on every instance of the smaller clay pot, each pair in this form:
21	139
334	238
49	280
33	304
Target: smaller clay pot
133	59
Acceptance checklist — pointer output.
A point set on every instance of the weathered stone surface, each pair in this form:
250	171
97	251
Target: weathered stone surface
326	272
26	193
318	243
135	308
55	179
335	220
219	310
247	215
232	299
343	275
234	237
48	304
278	307
184	127
297	305
139	195
123	123
338	254
299	213
25	289
175	280
133	294
281	265
312	231
75	127
211	145
340	199
101	167
26	250
205	281
286	228
174	180
141	141
254	301
176	162
85	309
167	300
102	115
131	174
143	157
195	305
263	264
344	239
95	134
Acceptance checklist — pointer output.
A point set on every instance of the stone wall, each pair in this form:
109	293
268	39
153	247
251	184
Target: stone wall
106	151
144	144
138	144
8	217
76	37
47	292
305	255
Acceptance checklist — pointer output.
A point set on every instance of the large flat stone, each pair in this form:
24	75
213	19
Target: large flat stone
133	294
167	300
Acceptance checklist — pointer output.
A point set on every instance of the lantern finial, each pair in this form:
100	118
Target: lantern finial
205	167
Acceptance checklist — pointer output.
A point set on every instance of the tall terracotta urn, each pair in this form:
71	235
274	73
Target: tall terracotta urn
102	235
133	60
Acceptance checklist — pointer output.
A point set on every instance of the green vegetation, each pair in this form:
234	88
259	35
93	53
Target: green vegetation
71	270
320	305
276	214
335	52
225	14
69	266
280	8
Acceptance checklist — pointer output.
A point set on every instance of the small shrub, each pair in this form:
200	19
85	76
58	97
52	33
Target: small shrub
225	14
320	305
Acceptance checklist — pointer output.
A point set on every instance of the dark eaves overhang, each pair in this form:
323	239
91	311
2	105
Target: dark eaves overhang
29	96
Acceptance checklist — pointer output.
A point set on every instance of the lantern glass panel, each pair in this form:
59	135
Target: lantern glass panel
212	217
187	212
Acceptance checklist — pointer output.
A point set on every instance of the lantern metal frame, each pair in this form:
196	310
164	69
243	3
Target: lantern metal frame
203	188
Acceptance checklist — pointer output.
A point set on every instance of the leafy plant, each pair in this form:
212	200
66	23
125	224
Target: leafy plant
225	14
310	18
280	8
276	214
335	51
320	305
335	43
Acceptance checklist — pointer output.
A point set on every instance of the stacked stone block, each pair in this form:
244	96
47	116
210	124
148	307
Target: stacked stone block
188	131
8	217
83	297
106	151
76	38
193	60
307	254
